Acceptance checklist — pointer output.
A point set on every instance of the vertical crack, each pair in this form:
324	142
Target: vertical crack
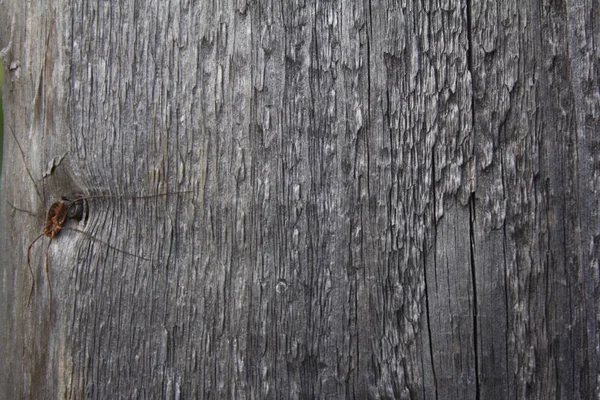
428	313
469	15
474	282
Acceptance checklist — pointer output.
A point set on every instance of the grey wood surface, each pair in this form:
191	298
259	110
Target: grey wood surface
393	200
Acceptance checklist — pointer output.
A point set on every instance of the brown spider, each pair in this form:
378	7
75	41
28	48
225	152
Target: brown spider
57	216
63	210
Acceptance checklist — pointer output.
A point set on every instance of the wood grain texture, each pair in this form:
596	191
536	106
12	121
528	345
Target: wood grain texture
390	199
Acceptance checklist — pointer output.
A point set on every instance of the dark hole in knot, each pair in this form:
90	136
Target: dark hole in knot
77	209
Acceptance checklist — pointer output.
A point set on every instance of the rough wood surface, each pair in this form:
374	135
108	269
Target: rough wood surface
389	199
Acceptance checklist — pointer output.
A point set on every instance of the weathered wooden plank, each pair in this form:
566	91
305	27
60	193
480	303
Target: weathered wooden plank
524	126
390	199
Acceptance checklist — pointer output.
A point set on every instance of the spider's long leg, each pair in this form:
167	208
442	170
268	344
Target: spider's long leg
109	196
21	209
29	266
150	196
25	164
47	264
106	244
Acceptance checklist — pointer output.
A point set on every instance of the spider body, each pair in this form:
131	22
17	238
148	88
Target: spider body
59	213
56	218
